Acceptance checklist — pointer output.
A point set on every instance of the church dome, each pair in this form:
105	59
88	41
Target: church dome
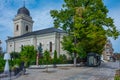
23	10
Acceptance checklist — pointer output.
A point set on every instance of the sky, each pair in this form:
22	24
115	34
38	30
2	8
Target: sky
40	13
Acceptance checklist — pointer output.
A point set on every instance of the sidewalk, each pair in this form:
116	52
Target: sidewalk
105	72
11	76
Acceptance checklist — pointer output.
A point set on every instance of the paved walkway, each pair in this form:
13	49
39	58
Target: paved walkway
105	72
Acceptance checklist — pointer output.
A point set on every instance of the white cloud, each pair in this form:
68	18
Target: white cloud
8	10
42	19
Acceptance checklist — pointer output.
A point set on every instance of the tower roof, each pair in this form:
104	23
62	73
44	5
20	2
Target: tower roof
23	10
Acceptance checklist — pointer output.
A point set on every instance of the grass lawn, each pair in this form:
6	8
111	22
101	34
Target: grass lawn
117	78
117	75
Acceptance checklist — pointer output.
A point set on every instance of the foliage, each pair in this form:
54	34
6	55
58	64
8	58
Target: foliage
2	63
28	54
87	25
62	59
68	45
16	62
15	55
117	78
41	61
55	57
32	62
47	57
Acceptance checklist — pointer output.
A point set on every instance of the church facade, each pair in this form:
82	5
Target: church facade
49	38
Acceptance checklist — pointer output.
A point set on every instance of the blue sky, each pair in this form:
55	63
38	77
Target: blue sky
39	10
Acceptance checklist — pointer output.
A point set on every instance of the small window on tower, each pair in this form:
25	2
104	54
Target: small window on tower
17	28
27	28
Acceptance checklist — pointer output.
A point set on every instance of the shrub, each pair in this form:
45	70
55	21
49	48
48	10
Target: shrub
47	58
33	62
2	63
62	59
27	54
15	55
16	62
55	61
1	69
117	77
41	61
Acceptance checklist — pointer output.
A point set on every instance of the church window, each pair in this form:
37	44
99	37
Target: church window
0	48
21	47
26	27
50	46
17	28
10	45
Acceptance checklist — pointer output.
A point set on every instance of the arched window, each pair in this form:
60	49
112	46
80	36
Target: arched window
10	45
27	28
50	46
17	28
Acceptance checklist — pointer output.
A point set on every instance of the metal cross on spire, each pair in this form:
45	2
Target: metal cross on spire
24	3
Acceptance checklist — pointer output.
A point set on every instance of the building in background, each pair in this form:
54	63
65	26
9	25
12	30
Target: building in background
49	38
108	51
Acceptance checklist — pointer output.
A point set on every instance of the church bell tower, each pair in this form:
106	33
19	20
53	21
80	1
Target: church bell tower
23	22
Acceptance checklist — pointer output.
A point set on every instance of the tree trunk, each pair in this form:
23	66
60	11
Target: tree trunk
47	68
75	60
75	42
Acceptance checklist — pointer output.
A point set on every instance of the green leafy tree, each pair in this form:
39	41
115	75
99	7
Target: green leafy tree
87	25
55	58
2	63
62	59
15	55
46	58
28	54
15	58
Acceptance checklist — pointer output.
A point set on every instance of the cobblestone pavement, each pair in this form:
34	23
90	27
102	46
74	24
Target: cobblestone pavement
105	72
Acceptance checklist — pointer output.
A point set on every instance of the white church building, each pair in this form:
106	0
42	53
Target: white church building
50	38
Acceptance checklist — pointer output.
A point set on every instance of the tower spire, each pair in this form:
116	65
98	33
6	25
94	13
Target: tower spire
23	3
